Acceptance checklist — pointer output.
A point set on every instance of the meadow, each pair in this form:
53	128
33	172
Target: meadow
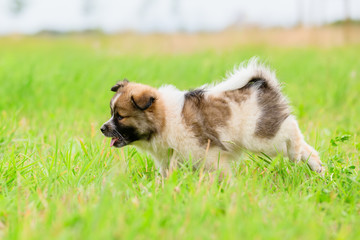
59	178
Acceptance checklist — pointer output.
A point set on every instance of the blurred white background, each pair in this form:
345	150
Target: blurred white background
32	16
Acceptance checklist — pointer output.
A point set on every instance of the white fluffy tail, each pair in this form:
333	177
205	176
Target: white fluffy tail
244	73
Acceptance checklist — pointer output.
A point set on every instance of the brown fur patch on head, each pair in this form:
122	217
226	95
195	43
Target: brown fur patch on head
204	116
119	84
142	100
140	108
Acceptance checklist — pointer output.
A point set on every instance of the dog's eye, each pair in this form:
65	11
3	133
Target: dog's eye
119	117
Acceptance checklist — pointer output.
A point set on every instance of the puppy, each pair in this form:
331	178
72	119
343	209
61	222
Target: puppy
211	125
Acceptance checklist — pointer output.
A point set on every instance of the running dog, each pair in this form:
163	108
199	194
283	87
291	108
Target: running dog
211	125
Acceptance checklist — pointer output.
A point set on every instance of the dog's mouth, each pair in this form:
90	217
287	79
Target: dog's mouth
113	141
117	142
120	137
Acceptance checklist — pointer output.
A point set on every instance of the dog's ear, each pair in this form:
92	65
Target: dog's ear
142	101
120	84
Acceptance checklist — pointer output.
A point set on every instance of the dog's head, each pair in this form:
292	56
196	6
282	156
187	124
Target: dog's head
136	114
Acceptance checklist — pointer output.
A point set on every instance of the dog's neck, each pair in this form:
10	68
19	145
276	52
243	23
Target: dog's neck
173	101
173	128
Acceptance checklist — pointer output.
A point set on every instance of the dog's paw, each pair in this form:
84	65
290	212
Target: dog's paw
320	169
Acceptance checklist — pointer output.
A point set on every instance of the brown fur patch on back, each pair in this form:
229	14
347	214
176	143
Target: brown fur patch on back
238	95
204	115
274	110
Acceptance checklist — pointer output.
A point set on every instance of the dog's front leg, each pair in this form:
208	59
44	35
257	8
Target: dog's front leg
166	162
219	161
162	165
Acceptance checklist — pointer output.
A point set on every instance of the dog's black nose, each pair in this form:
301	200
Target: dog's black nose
103	128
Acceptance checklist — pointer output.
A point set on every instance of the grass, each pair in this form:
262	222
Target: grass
59	179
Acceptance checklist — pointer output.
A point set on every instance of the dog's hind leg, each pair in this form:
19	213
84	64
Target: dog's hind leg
299	150
311	157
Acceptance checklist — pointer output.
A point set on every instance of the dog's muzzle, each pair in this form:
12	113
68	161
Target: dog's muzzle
117	140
